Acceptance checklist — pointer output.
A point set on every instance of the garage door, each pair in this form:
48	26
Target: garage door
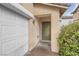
13	33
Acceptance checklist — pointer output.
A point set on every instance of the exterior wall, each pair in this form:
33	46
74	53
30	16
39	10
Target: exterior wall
28	6
39	11
33	28
13	33
55	27
33	33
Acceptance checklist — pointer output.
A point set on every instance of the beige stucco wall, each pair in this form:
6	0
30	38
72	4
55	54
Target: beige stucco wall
55	28
28	6
40	10
33	28
33	33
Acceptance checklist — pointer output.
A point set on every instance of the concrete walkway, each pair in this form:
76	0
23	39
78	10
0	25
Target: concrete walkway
43	49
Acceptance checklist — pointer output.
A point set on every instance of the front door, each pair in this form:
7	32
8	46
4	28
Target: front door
46	31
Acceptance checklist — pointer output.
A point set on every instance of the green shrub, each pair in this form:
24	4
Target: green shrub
69	40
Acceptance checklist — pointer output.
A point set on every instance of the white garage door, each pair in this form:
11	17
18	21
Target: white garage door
13	33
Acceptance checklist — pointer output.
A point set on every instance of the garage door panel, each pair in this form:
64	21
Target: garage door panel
13	33
12	22
9	46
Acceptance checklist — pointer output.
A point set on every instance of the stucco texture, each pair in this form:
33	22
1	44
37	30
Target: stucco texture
41	10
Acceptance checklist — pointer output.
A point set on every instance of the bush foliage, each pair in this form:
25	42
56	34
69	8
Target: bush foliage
69	40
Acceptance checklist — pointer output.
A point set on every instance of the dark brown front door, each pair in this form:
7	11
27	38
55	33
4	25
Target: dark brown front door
46	31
